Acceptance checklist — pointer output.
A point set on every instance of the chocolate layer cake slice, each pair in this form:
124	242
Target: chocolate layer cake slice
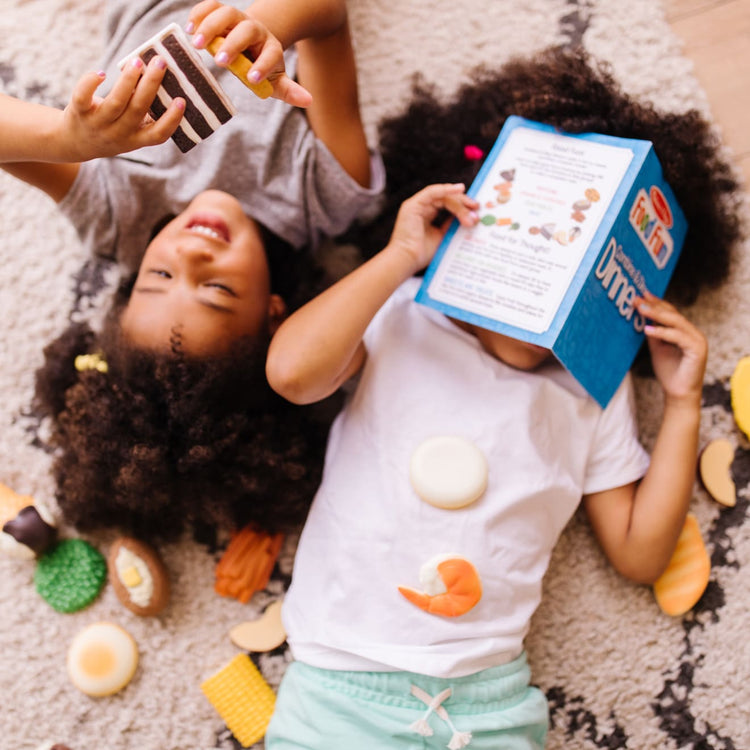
207	106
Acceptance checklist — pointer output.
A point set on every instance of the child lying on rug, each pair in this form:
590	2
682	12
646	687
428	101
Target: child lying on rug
547	445
182	425
378	662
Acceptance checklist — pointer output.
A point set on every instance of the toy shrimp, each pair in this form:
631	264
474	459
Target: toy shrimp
451	586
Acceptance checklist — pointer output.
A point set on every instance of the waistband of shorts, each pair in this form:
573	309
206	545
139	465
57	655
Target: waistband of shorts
495	686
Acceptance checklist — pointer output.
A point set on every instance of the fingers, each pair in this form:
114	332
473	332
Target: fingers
267	53
82	98
671	326
217	20
450	197
241	33
159	130
198	12
133	92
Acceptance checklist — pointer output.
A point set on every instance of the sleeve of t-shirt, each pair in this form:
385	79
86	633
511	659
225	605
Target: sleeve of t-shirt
88	207
617	456
404	295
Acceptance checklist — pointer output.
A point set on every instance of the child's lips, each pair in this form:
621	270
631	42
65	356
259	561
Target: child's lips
209	226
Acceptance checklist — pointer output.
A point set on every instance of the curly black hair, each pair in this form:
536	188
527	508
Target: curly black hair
565	88
163	442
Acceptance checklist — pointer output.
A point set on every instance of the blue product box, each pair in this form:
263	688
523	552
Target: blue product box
573	227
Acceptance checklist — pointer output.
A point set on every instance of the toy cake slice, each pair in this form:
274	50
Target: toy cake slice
207	106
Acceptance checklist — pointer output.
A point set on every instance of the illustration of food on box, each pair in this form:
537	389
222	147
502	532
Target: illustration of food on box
573	227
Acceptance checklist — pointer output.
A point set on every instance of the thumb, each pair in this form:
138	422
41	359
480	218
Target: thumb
291	92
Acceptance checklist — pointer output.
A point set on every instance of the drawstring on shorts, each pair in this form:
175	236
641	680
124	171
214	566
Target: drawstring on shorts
435	704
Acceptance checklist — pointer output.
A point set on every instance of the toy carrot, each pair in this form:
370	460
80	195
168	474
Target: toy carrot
246	565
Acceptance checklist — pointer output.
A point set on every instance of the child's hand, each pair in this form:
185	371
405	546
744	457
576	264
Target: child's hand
210	19
414	232
678	350
93	126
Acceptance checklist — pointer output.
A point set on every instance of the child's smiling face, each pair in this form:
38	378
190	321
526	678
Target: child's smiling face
204	277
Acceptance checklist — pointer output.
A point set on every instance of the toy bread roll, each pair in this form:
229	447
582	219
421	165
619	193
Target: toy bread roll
682	584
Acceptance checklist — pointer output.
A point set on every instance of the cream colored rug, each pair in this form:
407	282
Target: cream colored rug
617	671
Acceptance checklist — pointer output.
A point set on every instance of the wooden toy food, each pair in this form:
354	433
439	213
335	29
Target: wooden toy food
27	529
739	386
448	471
138	576
70	575
714	469
242	698
207	106
451	586
241	66
682	584
102	659
247	563
264	634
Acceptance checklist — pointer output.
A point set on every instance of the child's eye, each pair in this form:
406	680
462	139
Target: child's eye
223	287
161	272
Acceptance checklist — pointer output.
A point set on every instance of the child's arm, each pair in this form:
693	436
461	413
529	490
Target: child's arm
638	525
44	146
320	346
326	65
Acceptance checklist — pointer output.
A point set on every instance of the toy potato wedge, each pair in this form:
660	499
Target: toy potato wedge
682	584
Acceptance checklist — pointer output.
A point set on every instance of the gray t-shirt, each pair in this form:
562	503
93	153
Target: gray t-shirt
266	156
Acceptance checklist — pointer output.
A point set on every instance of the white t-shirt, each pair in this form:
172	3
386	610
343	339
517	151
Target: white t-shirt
546	442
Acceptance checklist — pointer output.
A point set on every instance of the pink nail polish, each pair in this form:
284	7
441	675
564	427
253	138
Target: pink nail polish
222	58
199	40
137	63
189	27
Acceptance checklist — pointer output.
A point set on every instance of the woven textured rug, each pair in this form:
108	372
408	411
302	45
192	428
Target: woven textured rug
617	671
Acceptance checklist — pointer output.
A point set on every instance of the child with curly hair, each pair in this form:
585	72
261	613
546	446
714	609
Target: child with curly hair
377	662
182	427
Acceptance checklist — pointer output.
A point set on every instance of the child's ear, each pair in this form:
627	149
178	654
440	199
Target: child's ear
276	312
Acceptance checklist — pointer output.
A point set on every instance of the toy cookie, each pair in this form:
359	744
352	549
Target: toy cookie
207	106
261	635
70	575
714	468
102	659
138	576
448	471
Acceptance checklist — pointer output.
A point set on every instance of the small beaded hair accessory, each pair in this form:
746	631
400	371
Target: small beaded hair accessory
93	361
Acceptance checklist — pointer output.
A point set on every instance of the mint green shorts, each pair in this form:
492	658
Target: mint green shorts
320	709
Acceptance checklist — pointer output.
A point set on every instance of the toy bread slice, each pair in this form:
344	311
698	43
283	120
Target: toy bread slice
207	106
241	67
682	584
